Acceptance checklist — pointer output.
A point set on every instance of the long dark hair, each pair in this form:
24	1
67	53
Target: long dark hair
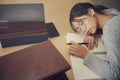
81	9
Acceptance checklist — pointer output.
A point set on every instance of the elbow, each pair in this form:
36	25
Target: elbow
112	73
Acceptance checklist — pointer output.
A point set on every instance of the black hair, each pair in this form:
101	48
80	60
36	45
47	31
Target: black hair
81	9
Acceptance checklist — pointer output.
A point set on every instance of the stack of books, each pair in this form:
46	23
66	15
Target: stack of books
22	24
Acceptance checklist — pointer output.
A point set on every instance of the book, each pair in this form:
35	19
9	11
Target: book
23	40
52	31
21	33
80	38
22	29
80	71
39	62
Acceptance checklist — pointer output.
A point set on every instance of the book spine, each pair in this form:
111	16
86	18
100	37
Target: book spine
23	40
22	34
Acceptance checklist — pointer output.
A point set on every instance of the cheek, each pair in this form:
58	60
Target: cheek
75	24
91	24
93	28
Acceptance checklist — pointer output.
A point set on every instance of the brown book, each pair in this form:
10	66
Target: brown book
38	62
22	29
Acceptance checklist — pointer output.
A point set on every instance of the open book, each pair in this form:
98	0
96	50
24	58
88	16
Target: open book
80	71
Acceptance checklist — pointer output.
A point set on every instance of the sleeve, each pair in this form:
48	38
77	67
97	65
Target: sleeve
109	68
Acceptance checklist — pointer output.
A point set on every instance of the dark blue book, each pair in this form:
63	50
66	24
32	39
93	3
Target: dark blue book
23	40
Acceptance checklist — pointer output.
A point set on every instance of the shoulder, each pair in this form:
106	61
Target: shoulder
113	24
111	11
111	31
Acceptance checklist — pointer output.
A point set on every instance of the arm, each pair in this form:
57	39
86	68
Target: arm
92	40
109	68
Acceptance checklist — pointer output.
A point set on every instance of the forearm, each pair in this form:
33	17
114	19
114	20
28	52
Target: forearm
103	68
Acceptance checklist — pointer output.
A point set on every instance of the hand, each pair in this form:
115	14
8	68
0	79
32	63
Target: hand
77	50
92	40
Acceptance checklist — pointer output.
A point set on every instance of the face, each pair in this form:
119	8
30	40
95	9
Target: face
85	24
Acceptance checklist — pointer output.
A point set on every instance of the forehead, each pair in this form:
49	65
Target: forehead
80	17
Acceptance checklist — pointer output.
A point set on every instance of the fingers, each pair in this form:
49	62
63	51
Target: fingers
71	52
78	51
93	42
73	43
96	42
71	48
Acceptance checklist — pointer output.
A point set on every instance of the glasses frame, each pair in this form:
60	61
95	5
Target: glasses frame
81	23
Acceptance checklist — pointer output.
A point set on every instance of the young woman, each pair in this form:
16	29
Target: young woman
86	18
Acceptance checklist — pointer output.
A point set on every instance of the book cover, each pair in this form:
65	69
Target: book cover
38	62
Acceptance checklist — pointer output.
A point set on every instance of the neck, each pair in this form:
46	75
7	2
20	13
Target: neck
102	20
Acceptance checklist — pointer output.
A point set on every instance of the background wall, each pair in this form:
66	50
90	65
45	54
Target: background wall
108	3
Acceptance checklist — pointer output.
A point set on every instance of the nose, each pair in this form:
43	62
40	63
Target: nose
77	27
83	29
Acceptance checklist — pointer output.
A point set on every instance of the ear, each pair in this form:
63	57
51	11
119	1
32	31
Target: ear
91	12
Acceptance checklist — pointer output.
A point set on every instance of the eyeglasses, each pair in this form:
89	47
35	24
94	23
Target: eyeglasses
78	24
79	31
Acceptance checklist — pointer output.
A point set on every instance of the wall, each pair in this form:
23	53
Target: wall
108	3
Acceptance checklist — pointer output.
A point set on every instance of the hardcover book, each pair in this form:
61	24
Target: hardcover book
38	62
